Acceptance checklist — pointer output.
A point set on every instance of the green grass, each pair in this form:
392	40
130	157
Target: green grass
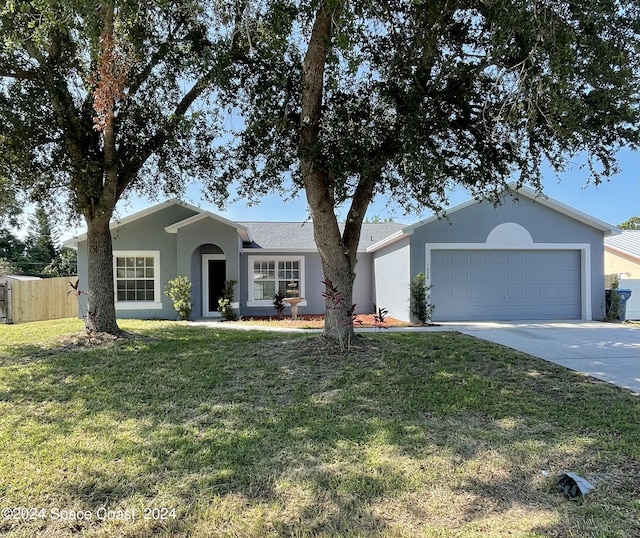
257	434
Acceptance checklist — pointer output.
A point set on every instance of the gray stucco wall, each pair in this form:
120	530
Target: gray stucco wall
363	285
392	279
473	224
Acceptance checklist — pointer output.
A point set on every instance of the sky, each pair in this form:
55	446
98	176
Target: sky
612	201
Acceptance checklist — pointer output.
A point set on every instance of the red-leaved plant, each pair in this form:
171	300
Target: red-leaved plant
379	316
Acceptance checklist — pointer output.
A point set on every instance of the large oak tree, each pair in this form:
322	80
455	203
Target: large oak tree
411	98
101	99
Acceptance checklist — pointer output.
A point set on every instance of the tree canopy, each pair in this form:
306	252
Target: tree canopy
439	94
410	99
98	100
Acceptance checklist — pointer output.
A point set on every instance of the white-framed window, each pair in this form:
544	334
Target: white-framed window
137	279
269	274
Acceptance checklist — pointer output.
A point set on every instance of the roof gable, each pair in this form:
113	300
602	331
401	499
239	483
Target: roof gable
529	193
242	230
197	215
114	225
526	192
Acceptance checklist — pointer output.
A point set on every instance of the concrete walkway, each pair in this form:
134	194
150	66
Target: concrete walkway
607	351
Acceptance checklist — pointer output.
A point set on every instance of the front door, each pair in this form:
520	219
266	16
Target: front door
214	273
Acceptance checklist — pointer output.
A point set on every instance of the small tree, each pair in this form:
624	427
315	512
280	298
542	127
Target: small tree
380	317
421	306
64	264
179	291
7	267
41	242
91	316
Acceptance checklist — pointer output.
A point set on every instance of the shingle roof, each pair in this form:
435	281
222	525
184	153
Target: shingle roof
299	235
628	242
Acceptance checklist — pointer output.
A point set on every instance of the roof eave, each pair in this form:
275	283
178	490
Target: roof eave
114	225
572	212
621	252
389	240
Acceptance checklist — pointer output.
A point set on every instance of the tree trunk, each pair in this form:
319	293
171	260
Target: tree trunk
101	316
337	251
340	272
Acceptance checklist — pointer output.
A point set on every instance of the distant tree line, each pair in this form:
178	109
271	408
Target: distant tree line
40	253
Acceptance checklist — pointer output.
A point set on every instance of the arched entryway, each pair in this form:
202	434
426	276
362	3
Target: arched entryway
209	265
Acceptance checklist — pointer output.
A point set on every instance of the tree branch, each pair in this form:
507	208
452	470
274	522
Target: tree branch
359	204
19	74
131	166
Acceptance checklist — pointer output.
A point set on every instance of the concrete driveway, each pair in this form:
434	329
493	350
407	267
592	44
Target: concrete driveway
606	351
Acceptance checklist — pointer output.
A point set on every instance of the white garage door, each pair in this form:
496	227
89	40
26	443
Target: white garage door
505	284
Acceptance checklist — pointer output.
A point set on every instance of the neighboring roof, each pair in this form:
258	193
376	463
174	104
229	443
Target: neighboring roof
627	243
561	207
284	236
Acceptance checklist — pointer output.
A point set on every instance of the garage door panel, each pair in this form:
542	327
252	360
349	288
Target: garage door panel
439	257
534	293
478	294
515	275
458	258
505	285
494	258
534	258
515	258
459	275
513	293
477	274
533	312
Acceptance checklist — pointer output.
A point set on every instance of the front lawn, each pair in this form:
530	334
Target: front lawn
192	431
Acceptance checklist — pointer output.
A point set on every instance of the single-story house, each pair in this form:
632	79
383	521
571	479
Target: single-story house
622	258
528	258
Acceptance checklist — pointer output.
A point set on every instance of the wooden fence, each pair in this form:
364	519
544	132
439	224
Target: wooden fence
39	300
